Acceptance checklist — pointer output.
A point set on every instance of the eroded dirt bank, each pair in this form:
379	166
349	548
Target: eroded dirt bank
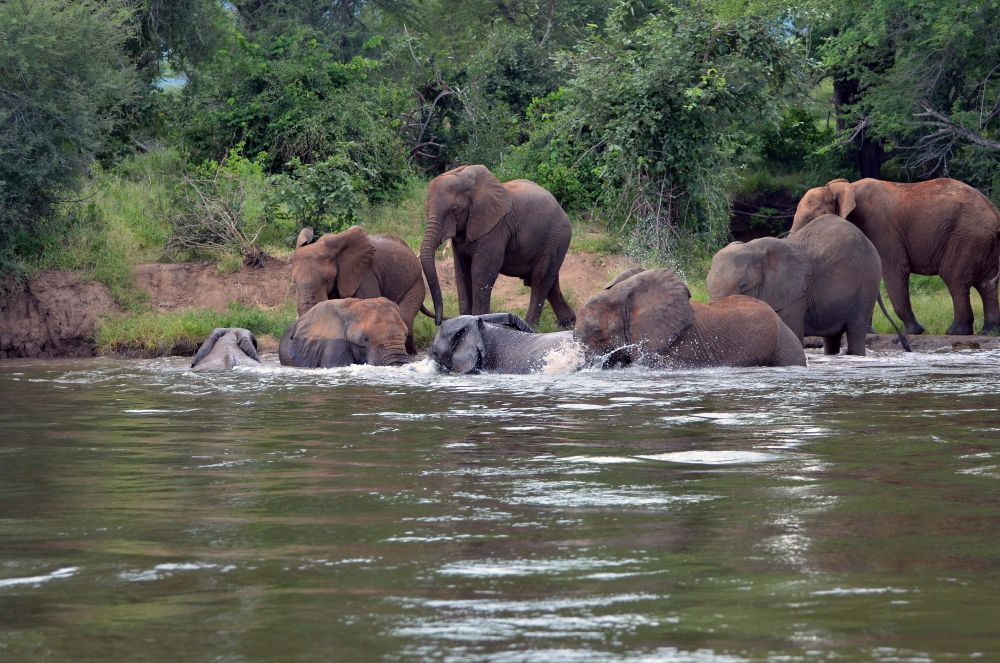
56	313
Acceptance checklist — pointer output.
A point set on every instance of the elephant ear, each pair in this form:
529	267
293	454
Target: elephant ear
489	203
208	344
306	236
627	274
786	274
247	343
316	339
843	193
354	254
658	309
648	310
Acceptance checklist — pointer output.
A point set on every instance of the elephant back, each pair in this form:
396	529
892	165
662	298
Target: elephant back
640	315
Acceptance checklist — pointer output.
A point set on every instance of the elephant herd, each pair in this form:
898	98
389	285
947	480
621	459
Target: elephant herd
358	294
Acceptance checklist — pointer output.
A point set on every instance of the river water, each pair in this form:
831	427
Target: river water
849	509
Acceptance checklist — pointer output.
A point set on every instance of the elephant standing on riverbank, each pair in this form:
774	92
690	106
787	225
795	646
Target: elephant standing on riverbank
647	318
340	332
494	342
225	348
942	226
516	229
822	280
353	263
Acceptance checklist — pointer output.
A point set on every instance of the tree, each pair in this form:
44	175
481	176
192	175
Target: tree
657	114
64	80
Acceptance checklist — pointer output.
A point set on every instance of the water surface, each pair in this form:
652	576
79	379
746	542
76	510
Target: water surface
846	509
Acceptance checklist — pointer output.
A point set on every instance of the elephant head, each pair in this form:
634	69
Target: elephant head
639	314
769	269
331	267
837	197
224	348
464	203
339	332
459	345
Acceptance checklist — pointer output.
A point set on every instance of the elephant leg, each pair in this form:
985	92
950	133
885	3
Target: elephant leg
463	283
484	272
564	312
831	344
857	334
962	323
897	283
987	289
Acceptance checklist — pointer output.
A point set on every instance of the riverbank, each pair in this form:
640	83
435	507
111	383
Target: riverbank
59	313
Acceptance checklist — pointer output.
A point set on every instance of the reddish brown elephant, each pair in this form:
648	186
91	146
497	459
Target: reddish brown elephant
940	227
516	229
353	263
646	317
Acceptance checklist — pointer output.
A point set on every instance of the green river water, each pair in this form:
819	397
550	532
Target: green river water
848	510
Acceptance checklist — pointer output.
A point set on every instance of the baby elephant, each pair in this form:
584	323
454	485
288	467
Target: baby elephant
822	280
225	348
493	342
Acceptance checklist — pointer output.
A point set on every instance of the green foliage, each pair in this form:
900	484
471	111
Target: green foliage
652	125
322	195
64	80
159	332
287	96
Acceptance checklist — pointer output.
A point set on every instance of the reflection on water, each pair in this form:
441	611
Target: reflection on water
849	508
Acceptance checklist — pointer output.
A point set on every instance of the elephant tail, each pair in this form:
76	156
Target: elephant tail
899	333
430	314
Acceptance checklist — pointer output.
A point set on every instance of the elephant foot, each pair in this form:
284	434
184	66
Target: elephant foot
991	330
569	323
959	330
914	328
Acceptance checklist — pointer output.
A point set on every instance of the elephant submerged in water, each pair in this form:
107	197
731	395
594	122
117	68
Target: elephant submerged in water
340	332
646	317
495	343
225	348
642	317
822	280
941	226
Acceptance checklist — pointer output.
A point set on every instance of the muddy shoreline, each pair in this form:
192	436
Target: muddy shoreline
57	313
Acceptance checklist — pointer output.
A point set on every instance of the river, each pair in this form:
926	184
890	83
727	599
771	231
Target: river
848	509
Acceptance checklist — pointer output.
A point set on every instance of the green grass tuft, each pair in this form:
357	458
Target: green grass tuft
159	332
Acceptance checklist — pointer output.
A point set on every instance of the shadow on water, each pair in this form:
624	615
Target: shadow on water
848	508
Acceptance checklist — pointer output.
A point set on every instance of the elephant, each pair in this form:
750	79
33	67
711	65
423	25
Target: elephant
340	332
494	342
516	229
821	281
225	348
941	226
353	263
646	317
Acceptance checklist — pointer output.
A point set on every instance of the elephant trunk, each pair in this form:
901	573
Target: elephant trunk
432	239
388	356
306	298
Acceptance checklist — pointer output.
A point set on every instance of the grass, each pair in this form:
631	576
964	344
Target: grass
157	333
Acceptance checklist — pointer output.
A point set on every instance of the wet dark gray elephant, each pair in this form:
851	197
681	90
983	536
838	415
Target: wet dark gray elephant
494	343
515	228
647	318
340	332
225	348
822	280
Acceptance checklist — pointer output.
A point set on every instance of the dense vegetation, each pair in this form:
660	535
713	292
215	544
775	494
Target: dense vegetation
163	130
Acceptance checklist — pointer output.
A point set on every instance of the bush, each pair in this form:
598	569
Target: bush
64	80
